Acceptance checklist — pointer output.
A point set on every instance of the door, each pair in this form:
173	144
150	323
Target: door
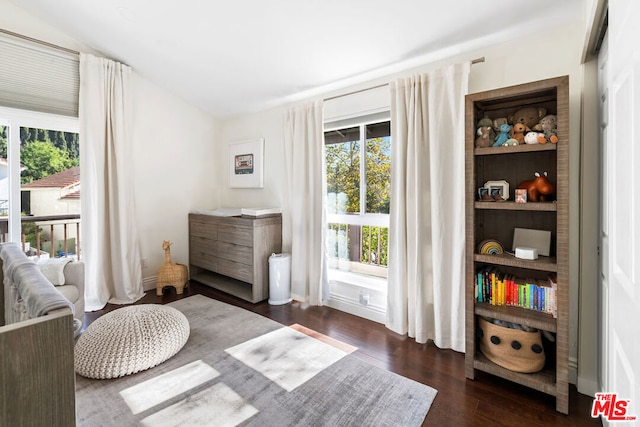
622	142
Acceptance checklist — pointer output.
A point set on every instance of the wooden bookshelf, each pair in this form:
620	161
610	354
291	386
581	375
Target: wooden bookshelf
497	220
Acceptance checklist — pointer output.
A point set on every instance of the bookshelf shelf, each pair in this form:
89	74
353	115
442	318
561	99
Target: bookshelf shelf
541	264
497	220
534	319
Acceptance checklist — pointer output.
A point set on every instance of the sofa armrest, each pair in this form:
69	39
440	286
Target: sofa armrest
74	275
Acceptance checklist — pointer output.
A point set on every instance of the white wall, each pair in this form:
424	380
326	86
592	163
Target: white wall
546	55
174	153
174	171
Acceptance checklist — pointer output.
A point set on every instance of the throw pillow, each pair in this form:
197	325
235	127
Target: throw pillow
53	269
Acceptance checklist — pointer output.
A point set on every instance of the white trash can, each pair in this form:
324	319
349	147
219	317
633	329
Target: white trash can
279	279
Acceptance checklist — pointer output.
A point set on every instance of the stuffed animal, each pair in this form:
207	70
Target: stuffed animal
528	116
484	137
538	189
549	127
499	122
533	137
510	141
503	136
517	132
486	121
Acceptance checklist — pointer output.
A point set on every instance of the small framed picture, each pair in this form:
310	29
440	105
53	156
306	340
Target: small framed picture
246	164
521	195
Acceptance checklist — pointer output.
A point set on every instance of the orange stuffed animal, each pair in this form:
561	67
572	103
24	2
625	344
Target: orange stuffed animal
538	189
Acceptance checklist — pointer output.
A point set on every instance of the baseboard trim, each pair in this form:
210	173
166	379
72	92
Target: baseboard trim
573	370
348	305
149	283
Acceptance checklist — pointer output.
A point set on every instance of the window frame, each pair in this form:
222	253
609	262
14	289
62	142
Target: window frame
14	119
361	218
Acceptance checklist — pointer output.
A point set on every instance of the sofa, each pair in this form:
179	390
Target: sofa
37	330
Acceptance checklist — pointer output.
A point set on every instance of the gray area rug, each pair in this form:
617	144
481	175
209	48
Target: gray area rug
239	368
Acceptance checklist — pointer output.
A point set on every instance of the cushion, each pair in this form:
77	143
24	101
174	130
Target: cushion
53	269
130	340
70	292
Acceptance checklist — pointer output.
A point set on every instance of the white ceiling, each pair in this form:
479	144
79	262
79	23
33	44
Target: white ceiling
230	57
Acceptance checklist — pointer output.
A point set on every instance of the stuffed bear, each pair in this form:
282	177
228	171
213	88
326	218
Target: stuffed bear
517	132
529	116
486	121
503	136
548	126
484	137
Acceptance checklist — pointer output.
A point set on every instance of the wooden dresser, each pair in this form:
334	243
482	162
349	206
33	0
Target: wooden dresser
232	253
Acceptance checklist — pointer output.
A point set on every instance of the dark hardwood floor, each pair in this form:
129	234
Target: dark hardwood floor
485	401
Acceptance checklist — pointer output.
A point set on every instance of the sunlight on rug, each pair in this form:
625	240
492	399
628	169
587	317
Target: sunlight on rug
287	357
239	368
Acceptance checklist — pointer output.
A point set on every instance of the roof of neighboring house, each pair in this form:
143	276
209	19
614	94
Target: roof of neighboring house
62	179
74	195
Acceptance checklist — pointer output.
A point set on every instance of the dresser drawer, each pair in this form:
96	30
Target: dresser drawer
236	253
236	270
205	229
204	247
236	235
203	261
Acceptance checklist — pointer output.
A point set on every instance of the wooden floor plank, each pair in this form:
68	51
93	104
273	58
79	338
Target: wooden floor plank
485	401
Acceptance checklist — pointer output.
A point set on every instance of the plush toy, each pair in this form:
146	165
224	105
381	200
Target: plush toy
503	136
510	141
538	189
486	121
517	132
548	125
484	137
533	137
499	122
528	116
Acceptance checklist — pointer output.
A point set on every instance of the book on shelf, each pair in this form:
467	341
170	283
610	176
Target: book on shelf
498	288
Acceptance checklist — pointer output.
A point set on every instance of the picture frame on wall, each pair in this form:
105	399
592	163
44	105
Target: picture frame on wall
246	163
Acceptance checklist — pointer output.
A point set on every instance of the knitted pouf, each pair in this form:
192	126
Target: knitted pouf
130	340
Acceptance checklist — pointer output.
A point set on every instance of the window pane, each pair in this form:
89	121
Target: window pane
4	180
342	149
50	186
378	167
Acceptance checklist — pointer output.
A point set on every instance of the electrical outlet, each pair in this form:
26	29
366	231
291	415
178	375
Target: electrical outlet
143	262
364	297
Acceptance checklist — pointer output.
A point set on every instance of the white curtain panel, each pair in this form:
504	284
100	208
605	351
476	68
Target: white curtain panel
305	211
110	233
426	232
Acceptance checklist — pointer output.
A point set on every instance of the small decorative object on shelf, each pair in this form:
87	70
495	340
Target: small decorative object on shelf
529	291
538	189
491	247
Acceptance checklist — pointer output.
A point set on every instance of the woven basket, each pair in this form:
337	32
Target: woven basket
516	350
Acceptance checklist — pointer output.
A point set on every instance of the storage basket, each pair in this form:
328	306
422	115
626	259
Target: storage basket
516	350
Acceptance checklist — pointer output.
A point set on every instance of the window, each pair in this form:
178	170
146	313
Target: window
358	162
39	181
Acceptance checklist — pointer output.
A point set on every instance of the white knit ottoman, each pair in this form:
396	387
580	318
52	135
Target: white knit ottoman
130	340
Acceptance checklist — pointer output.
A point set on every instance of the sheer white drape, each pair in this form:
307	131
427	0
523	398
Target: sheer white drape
305	214
426	232
110	242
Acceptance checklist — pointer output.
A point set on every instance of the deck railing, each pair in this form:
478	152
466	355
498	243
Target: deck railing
366	246
59	234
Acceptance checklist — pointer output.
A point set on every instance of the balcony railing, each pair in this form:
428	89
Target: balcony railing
365	247
53	235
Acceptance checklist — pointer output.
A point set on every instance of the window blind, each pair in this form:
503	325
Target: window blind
38	78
